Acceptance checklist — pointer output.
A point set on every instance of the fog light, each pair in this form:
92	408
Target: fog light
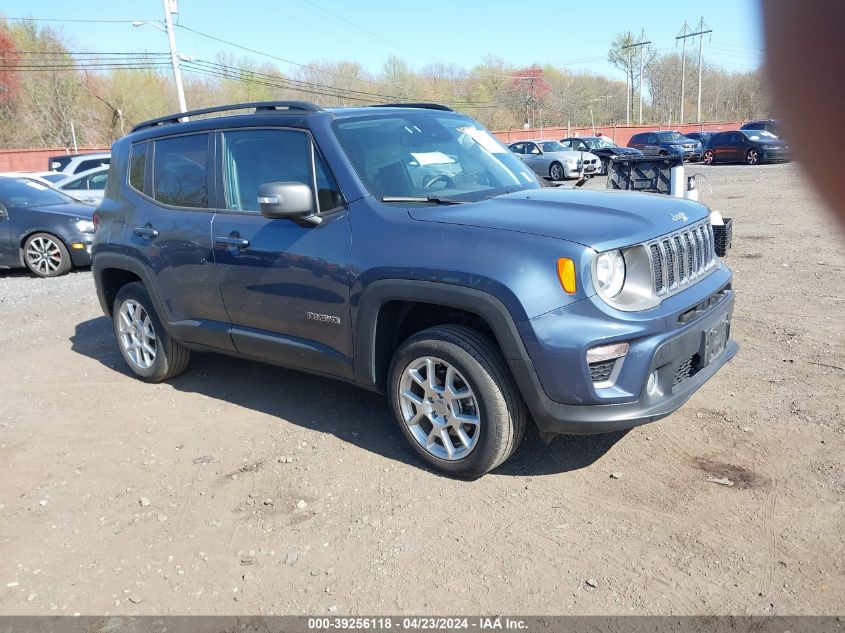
651	386
606	352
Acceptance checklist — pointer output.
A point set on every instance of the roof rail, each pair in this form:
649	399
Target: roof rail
260	106
427	106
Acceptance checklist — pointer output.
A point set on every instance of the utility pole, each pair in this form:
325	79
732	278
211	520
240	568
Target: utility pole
167	26
701	30
170	6
683	35
639	44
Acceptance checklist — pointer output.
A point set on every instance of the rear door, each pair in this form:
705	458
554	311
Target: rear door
285	286
170	234
534	157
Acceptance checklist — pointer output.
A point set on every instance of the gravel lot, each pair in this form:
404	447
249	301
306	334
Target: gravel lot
242	488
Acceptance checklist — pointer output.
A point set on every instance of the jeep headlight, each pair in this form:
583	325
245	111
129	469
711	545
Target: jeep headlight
84	226
609	273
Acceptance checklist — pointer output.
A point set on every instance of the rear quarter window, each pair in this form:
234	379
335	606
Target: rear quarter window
137	166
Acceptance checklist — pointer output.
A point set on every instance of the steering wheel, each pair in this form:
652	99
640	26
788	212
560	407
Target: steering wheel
430	180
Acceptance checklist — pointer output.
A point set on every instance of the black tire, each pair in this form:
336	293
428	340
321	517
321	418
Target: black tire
171	358
501	410
556	169
604	163
709	157
752	157
55	260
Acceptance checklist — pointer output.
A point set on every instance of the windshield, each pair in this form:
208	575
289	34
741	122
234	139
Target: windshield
670	137
23	192
552	146
758	135
597	142
423	154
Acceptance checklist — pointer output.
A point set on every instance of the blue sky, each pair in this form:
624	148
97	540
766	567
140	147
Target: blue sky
576	35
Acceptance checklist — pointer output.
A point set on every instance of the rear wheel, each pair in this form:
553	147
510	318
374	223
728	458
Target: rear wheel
556	171
455	400
46	255
147	349
708	157
752	157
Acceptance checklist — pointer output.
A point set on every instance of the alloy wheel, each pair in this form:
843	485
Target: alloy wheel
752	157
439	408
43	255
137	336
556	172
708	157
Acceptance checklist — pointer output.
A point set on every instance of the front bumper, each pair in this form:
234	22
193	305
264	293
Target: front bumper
80	250
562	397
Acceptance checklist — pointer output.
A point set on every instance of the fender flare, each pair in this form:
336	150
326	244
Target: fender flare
103	261
484	304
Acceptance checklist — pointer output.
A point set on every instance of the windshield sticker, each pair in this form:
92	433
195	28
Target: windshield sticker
432	158
483	138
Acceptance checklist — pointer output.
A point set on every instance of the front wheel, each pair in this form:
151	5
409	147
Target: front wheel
46	255
556	171
603	167
147	349
455	400
752	157
708	157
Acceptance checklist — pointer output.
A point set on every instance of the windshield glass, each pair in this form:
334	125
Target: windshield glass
23	192
597	142
670	137
423	154
552	146
757	135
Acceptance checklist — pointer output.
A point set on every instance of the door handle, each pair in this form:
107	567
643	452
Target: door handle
238	242
145	231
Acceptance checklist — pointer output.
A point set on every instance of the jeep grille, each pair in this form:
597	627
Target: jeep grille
681	258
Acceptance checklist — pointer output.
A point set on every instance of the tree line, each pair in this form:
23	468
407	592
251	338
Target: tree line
51	93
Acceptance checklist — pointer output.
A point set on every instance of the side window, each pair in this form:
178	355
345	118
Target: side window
85	165
98	181
532	148
652	139
566	144
137	166
636	139
180	171
76	185
254	157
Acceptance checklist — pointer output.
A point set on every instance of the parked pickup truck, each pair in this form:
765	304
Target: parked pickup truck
405	250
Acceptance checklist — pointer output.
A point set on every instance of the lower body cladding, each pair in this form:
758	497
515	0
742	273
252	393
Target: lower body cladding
658	358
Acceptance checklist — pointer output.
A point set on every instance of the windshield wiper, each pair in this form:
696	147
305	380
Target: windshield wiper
432	199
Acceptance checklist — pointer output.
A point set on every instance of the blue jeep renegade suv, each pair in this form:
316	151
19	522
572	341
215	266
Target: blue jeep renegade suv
405	250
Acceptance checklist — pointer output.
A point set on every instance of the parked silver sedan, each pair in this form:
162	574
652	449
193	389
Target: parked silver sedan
550	159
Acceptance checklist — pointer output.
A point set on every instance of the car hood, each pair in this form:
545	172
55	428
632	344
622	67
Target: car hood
599	219
623	150
70	209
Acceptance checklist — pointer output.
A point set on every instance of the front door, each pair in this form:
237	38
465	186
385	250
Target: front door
285	286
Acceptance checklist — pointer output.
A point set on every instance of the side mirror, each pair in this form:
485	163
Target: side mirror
288	200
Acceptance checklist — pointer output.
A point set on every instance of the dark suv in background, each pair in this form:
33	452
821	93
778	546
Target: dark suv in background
666	143
407	251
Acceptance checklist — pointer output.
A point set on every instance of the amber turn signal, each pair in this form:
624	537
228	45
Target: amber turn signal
566	274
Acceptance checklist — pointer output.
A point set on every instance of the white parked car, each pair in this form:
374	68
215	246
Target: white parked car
77	163
550	159
88	186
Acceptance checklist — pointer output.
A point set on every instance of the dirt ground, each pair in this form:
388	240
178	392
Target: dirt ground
246	489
